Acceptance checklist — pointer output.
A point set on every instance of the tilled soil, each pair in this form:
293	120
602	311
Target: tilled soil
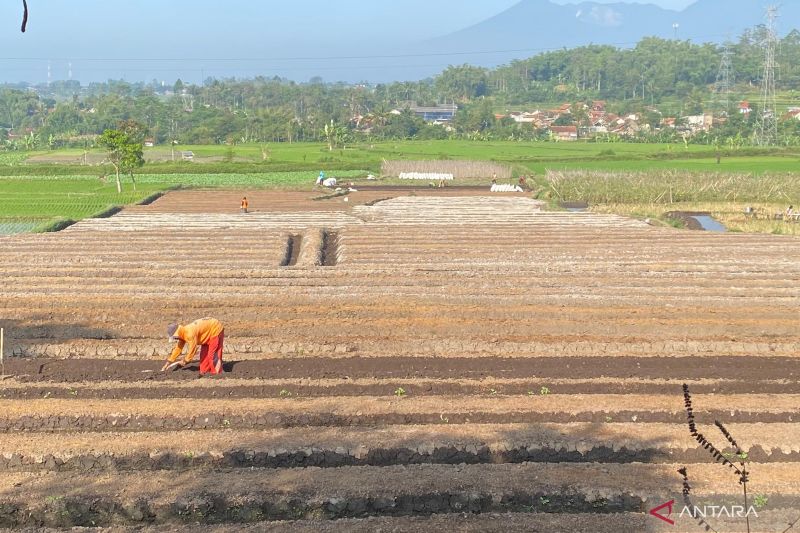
433	368
467	353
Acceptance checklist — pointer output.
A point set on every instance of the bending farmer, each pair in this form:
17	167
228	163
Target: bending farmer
207	333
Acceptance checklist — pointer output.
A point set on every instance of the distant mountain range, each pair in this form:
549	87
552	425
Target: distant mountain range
349	40
532	26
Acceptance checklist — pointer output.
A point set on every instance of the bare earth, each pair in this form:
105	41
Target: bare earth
466	362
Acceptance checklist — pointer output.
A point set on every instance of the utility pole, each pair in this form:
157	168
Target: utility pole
724	83
766	133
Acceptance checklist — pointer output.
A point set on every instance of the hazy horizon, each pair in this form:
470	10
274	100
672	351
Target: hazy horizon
352	40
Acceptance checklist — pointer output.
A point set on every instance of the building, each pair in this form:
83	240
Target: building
565	133
744	107
438	113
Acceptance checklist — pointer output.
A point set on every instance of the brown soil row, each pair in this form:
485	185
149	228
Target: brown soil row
414	388
397	445
266	201
95	462
362	411
229	420
754	370
768	522
66	499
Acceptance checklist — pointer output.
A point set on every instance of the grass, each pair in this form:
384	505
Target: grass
528	156
37	205
45	203
666	187
626	178
730	214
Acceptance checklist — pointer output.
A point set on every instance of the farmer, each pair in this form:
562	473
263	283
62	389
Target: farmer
207	333
321	177
244	205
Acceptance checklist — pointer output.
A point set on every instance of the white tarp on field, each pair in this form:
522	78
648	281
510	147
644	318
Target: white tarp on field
430	176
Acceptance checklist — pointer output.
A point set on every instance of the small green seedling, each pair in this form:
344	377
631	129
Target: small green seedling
284	393
544	391
544	501
399	392
760	501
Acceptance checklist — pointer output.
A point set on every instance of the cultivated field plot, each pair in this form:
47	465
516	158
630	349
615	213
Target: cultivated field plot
402	361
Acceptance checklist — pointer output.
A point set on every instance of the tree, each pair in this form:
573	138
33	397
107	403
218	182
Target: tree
335	134
125	149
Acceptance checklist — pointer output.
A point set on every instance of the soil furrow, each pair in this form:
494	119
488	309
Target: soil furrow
540	368
66	499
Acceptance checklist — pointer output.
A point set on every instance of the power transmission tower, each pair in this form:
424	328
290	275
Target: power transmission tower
724	83
766	133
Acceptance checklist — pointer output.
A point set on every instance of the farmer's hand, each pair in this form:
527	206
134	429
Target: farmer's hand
174	366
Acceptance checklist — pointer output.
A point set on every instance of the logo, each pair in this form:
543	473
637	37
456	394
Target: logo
657	512
664	512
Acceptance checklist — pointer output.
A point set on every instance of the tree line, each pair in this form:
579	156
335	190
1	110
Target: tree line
668	76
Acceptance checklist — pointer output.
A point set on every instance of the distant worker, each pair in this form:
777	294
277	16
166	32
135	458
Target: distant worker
789	211
494	178
320	178
245	203
207	333
523	182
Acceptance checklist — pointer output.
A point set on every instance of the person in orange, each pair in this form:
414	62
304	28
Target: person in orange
244	204
207	333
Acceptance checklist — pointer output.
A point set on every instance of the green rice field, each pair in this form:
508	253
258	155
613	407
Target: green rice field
39	189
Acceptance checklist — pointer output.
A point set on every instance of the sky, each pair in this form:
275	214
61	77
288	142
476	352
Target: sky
93	40
61	32
666	4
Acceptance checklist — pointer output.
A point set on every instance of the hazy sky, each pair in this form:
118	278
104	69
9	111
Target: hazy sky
195	39
667	4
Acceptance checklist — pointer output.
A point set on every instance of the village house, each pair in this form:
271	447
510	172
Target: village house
744	107
792	113
564	133
698	123
439	113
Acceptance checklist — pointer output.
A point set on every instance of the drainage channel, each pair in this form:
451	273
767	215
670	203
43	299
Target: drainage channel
329	248
293	243
710	224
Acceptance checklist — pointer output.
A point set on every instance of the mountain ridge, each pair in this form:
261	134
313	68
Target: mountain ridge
532	26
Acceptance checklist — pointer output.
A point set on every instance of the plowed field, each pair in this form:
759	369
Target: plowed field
430	359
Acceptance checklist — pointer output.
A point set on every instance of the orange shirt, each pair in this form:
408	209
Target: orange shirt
244	204
199	332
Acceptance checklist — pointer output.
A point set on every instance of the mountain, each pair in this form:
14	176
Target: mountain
534	26
351	40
